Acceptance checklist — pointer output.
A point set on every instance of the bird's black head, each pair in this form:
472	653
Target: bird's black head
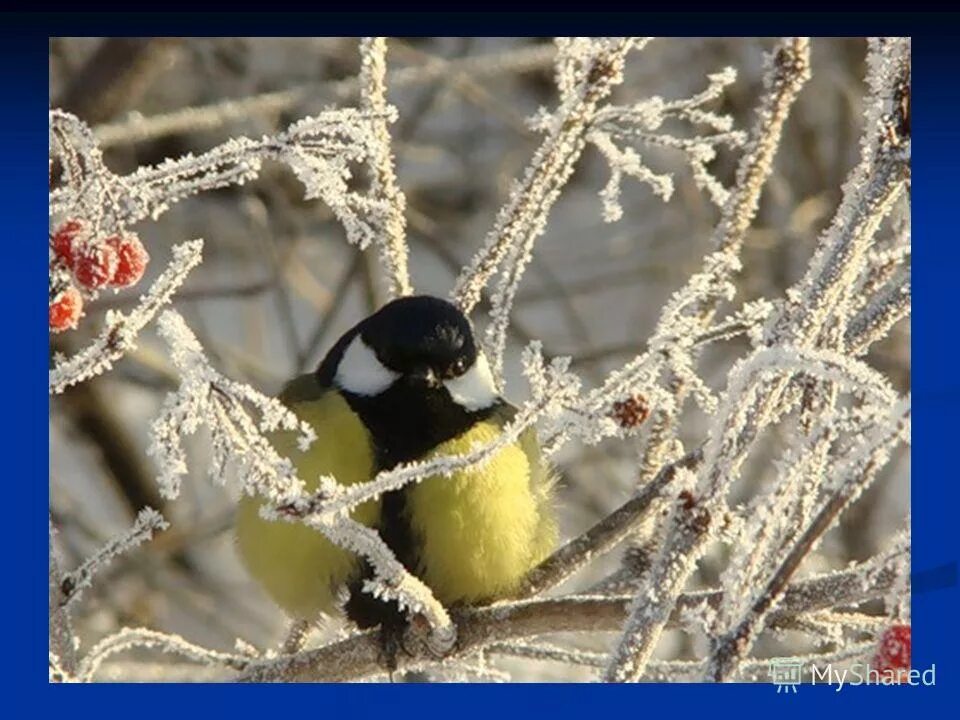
422	337
414	374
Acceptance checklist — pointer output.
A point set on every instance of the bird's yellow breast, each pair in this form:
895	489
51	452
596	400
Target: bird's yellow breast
477	533
298	566
481	530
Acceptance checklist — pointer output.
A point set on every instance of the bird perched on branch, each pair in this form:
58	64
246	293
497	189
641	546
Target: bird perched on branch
406	383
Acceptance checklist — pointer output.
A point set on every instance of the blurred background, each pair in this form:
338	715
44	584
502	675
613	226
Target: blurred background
279	283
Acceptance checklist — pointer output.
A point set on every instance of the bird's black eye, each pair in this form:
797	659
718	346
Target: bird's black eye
458	367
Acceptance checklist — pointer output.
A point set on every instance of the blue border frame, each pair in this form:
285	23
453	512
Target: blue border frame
936	102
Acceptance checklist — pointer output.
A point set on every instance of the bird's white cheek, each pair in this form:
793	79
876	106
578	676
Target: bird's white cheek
474	389
361	373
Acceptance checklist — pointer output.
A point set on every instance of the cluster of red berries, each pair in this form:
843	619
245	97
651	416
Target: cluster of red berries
893	650
117	261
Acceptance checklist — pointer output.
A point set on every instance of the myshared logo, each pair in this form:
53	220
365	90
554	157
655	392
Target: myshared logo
788	674
866	674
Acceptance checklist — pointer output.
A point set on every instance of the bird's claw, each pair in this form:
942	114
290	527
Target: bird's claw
391	643
438	643
415	638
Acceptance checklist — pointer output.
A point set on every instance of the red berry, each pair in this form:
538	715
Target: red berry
893	651
65	309
64	238
631	412
132	259
94	265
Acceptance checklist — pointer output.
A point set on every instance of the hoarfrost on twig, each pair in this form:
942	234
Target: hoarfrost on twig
804	360
147	522
590	69
877	181
207	398
392	242
320	150
120	332
130	638
788	69
642	123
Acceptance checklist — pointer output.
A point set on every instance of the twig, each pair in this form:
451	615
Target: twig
877	182
523	218
129	638
63	641
788	72
882	312
360	655
855	475
116	75
392	244
606	534
211	117
147	522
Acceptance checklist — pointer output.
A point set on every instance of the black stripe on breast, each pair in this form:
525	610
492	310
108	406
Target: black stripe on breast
405	427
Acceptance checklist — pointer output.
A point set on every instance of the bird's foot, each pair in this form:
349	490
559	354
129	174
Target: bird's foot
414	638
420	638
392	644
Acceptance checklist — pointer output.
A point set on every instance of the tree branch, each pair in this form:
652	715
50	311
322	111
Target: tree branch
606	534
62	639
788	73
857	473
360	655
392	244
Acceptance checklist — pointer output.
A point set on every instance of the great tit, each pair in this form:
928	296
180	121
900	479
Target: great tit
406	383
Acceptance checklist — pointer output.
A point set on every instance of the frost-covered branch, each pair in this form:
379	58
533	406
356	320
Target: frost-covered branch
359	656
642	123
853	475
319	150
877	181
588	70
65	662
131	638
206	398
870	193
787	73
63	641
577	121
697	511
121	330
148	521
884	310
392	242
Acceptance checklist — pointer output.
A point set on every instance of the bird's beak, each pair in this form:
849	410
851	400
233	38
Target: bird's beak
425	376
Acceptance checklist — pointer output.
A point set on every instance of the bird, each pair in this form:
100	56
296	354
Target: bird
407	383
